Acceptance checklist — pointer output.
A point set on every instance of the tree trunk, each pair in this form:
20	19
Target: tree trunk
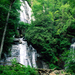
2	42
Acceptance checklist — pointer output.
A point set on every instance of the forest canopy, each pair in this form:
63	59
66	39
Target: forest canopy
53	29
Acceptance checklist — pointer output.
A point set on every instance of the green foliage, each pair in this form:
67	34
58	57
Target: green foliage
17	70
50	32
23	27
29	2
14	61
52	66
12	25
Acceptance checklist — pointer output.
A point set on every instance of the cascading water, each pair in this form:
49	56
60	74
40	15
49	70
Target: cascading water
25	13
72	50
24	54
33	58
27	57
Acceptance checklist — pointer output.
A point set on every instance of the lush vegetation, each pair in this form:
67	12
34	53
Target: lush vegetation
12	22
50	33
17	69
52	30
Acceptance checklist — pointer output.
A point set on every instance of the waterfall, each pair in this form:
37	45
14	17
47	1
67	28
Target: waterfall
33	58
24	54
72	51
25	13
27	56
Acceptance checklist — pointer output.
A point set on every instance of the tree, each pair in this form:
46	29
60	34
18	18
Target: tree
13	22
1	47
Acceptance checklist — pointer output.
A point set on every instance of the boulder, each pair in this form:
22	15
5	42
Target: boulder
52	73
16	41
20	42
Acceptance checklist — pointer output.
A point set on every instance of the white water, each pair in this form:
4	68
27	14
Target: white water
34	58
25	16
72	51
27	56
25	13
24	59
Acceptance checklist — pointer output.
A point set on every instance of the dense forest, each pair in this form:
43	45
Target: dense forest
51	32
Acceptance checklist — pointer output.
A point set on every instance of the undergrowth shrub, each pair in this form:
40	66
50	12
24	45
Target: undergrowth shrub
17	69
69	58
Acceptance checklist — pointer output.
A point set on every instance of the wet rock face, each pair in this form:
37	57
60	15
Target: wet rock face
17	41
20	42
15	52
73	40
41	64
